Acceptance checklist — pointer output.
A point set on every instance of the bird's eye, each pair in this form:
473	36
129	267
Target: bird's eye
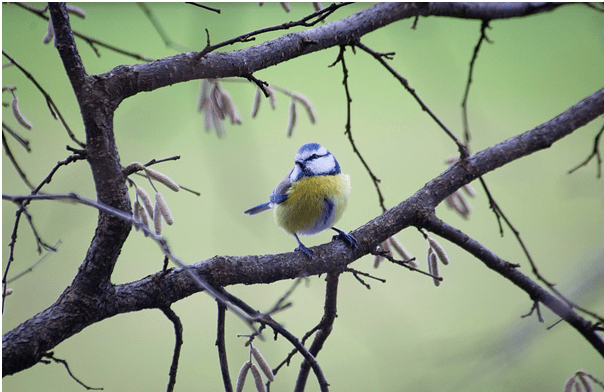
313	156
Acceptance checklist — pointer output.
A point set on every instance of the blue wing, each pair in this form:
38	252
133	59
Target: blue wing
279	196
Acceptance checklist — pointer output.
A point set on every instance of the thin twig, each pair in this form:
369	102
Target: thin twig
279	305
323	328
205	7
12	159
307	21
463	150
221	344
595	153
22	141
157	26
356	274
173	317
464	104
376	181
89	40
34	265
50	355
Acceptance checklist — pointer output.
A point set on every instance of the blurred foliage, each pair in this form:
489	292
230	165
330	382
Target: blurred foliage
406	334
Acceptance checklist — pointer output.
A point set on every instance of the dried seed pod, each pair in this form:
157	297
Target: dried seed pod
14	104
164	179
257	378
292	118
257	100
145	199
266	369
242	375
162	206
439	250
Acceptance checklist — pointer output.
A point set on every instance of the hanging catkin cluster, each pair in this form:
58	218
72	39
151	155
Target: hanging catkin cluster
581	382
435	252
249	365
143	208
217	105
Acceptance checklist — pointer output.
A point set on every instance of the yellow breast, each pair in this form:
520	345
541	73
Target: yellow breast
314	204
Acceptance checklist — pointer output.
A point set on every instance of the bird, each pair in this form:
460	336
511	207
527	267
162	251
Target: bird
311	198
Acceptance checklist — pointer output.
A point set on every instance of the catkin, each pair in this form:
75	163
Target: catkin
583	377
257	378
292	118
14	104
308	106
137	213
271	97
399	248
377	260
167	181
157	220
266	369
439	250
162	206
469	189
72	9
242	375
145	199
257	100
568	386
50	32
433	266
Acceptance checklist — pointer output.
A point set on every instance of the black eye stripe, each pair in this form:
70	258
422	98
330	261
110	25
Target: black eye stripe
315	156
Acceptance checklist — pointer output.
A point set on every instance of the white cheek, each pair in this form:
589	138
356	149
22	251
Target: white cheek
323	165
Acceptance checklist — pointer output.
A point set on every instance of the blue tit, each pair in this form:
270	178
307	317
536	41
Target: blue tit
312	197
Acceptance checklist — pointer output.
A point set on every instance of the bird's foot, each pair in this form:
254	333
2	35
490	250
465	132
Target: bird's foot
305	250
350	240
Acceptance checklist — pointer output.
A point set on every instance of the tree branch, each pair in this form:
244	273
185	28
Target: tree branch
24	345
125	81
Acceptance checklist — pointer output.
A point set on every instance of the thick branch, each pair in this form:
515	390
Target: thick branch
125	81
513	274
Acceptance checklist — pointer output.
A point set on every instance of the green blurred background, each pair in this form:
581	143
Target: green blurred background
404	335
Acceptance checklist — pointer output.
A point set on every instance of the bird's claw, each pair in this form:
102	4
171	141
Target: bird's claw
349	239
